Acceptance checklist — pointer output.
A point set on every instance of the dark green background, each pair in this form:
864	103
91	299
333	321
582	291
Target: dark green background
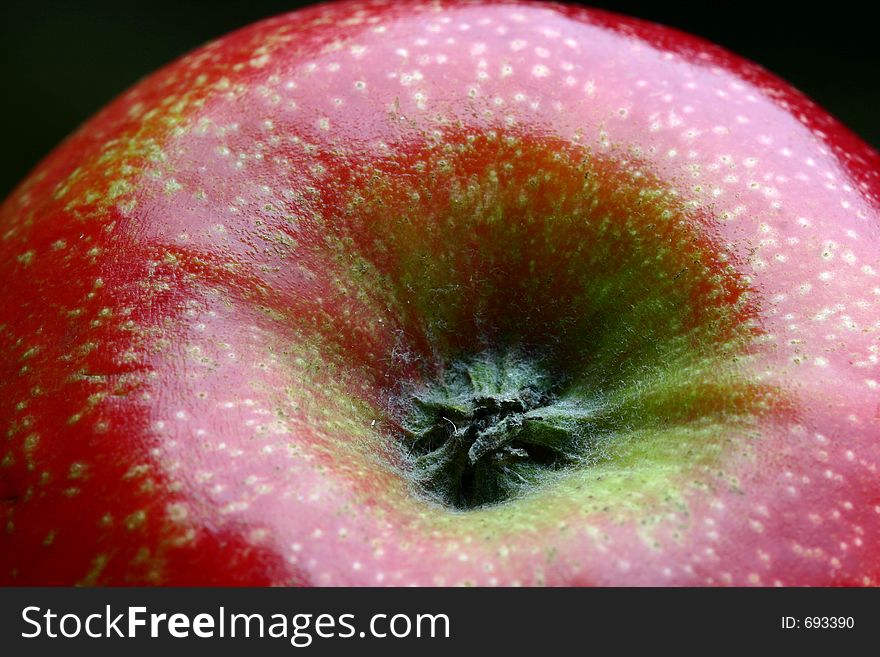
61	61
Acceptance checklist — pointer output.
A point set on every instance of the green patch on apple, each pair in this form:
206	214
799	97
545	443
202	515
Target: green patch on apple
621	349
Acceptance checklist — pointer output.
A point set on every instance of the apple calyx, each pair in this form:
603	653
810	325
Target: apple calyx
491	427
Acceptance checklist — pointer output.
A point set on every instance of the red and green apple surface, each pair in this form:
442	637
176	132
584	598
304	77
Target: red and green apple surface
486	293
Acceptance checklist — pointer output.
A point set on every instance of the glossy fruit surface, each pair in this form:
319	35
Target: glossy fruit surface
450	293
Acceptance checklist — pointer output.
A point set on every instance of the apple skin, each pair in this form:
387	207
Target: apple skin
217	292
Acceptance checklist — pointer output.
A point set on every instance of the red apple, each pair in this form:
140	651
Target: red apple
445	293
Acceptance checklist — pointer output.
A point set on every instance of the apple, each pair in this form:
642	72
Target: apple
441	293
